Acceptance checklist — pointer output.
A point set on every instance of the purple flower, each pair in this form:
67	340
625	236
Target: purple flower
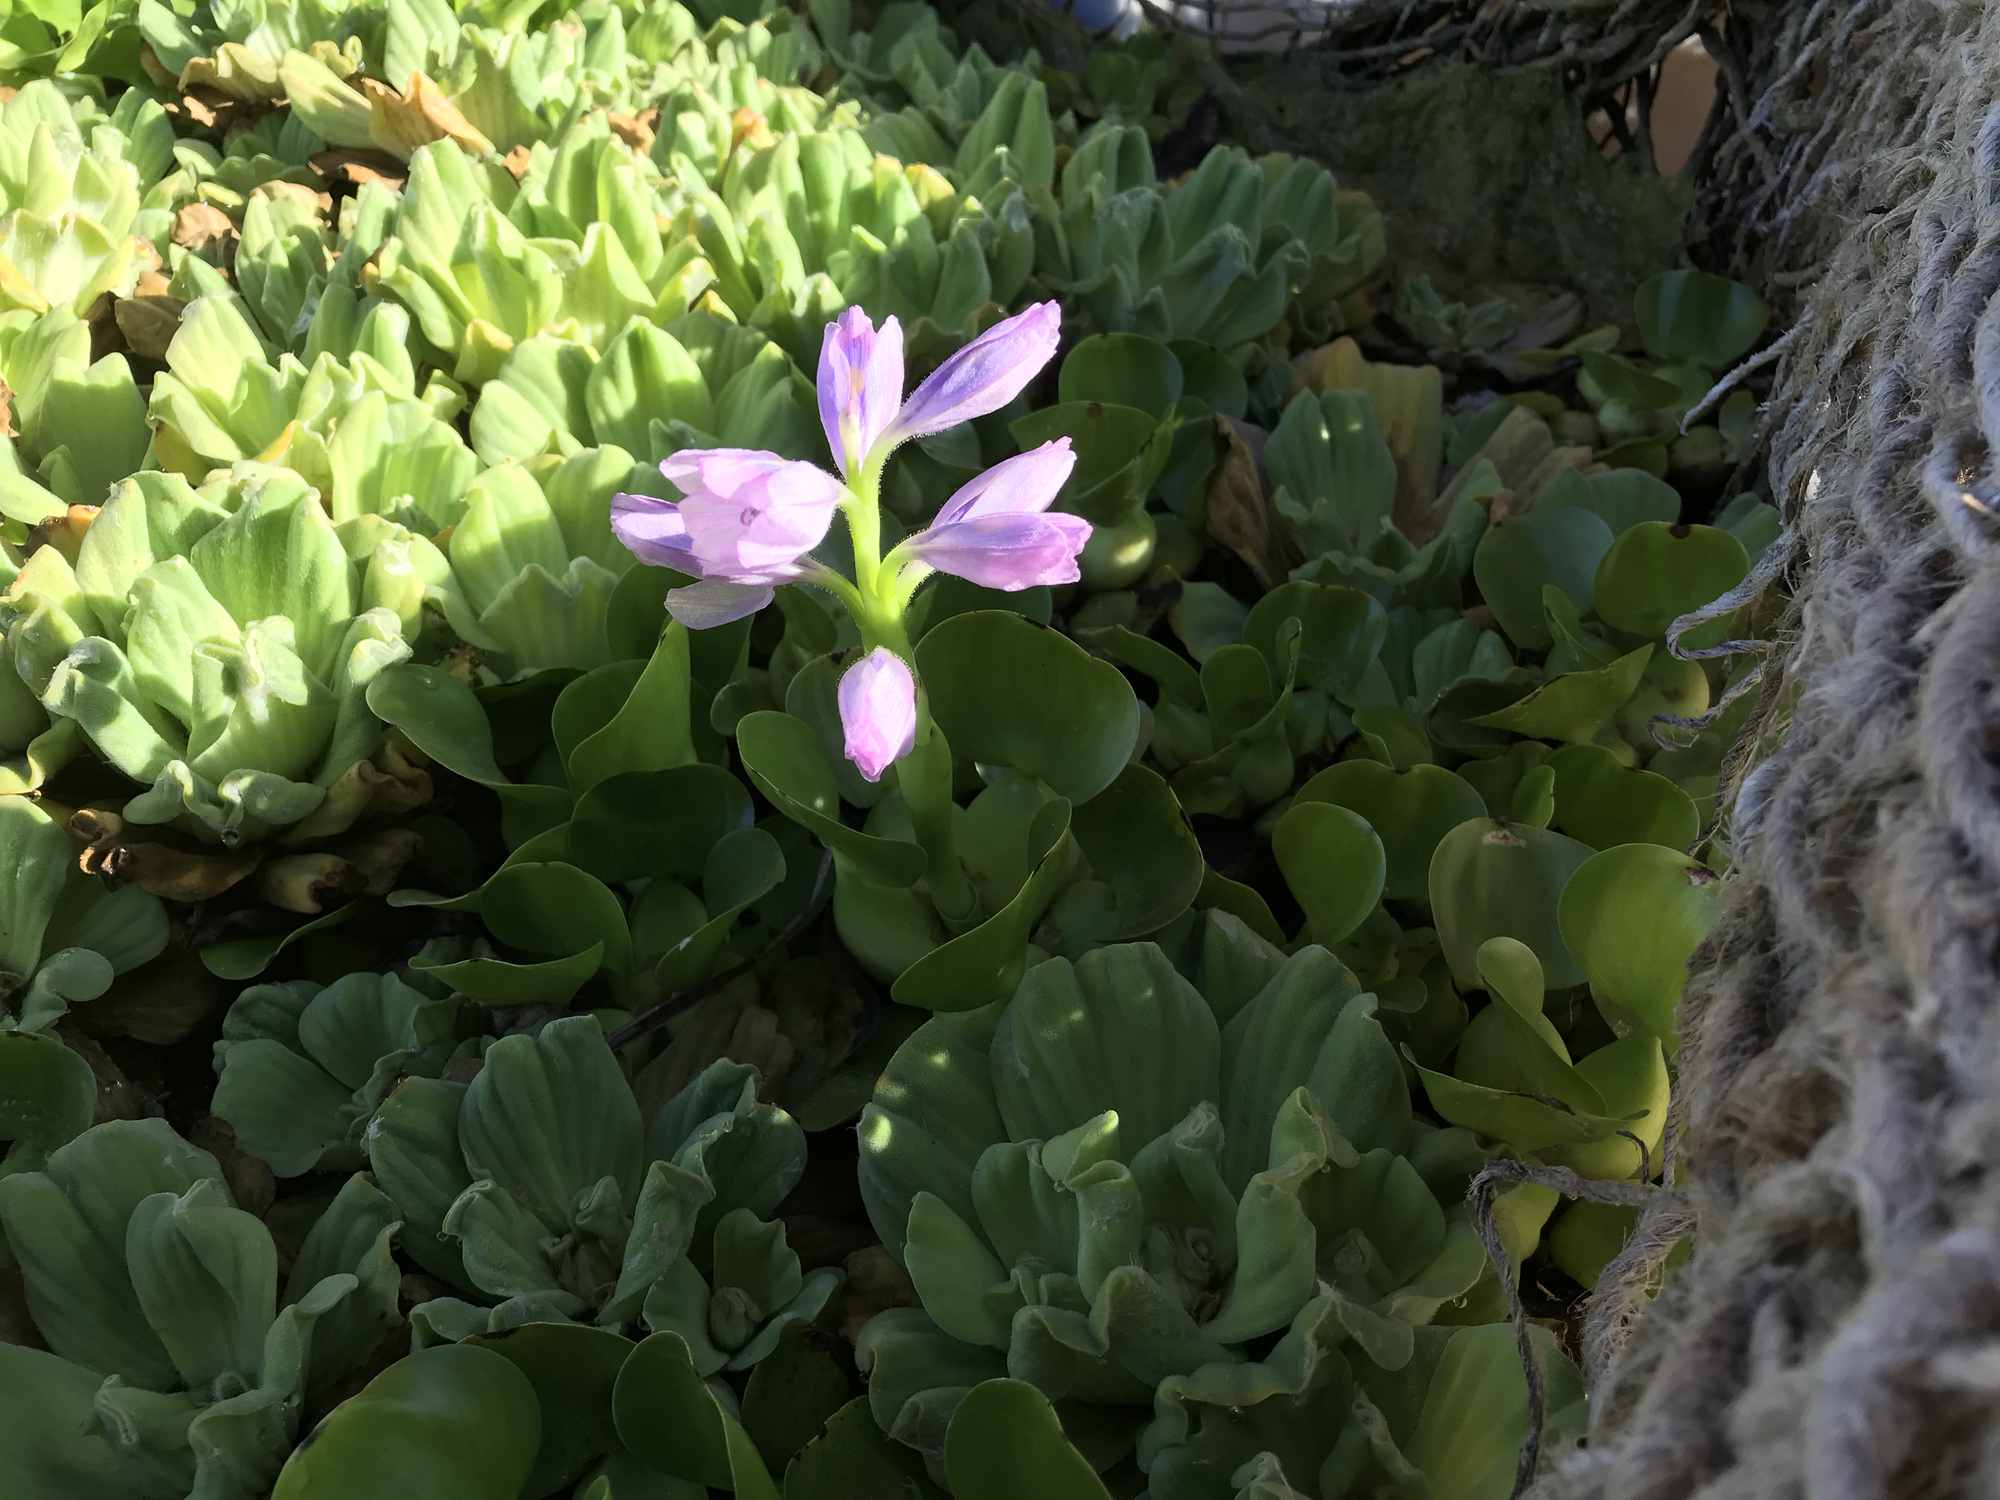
983	376
997	532
860	384
728	587
878	711
747	512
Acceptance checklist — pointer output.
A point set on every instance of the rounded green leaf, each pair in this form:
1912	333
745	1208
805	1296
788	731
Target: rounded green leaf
853	1457
1621	498
1341	633
933	1113
1126	368
667	1416
1146	865
647	823
1117	1030
557	910
785	759
1491	879
984	964
1634	916
1410	812
1655	573
794	1391
1335	865
1604	803
495	981
1520	556
1006	1442
1702	318
450	1423
439	714
48	1095
572	1368
1120	451
1008	692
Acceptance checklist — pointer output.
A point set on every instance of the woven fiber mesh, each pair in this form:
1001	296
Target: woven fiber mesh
1836	1333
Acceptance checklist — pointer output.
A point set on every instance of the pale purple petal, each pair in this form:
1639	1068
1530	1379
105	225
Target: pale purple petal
983	376
653	531
860	384
749	518
1021	485
878	711
719	471
716	601
1006	551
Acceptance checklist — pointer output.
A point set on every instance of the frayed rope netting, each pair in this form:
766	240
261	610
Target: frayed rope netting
1836	1333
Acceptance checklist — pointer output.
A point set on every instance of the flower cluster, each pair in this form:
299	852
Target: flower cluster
748	520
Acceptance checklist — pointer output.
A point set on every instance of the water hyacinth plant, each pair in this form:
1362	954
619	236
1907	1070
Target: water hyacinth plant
748	522
745	750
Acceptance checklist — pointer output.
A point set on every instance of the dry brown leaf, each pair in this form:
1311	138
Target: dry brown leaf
516	161
1240	514
748	126
201	227
159	72
169	873
635	131
307	883
149	322
420	114
65	532
360	168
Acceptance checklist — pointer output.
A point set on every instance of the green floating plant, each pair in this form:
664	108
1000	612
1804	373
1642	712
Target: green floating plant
178	1360
300	1069
64	938
631	859
1222	257
1120	1188
547	1189
214	645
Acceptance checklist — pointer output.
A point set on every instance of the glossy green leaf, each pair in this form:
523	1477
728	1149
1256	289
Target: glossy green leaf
1574	707
48	1096
793	1392
1634	916
1603	803
1695	316
853	1457
1335	865
1125	368
667	1417
573	1369
440	715
240	959
453	1422
985	963
1006	1441
1490	879
1520	556
1010	693
1410	811
1656	573
786	761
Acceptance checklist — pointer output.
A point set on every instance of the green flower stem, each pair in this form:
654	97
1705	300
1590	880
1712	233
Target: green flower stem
924	775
